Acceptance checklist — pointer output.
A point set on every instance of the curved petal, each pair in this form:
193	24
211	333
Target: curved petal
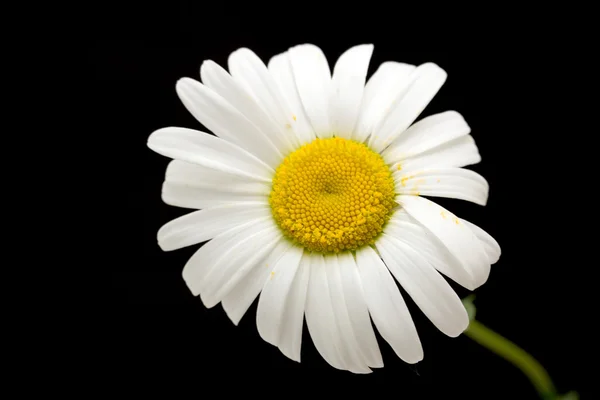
240	298
248	69
425	285
427	134
313	81
274	295
197	176
320	318
217	79
220	117
490	245
358	311
281	70
194	197
456	236
243	257
426	80
209	151
219	249
290	331
387	83
387	307
347	345
459	152
347	86
406	229
455	183
202	225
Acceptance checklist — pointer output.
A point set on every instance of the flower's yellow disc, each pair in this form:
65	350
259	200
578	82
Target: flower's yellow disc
332	195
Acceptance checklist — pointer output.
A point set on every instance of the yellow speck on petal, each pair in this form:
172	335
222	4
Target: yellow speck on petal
399	167
332	195
404	179
438	181
272	274
456	221
443	214
288	126
294	116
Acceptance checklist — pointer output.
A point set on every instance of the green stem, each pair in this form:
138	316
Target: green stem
515	355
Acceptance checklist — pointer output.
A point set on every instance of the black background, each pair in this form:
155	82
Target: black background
161	335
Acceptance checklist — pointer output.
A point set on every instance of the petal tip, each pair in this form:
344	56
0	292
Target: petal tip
433	69
192	288
306	46
460	329
362	371
291	355
161	238
183	81
233	318
364	46
206	67
414	359
241	52
185	84
452	114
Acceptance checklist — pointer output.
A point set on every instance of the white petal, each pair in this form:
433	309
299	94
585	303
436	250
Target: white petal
203	225
455	183
426	80
490	245
281	70
217	79
386	85
348	345
427	134
320	318
194	175
457	237
248	69
425	285
209	151
347	86
406	229
222	248
180	195
387	307
358	311
237	302
459	152
274	295
220	117
290	331
313	81
241	260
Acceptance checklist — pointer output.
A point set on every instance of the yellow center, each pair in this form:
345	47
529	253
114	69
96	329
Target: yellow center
332	195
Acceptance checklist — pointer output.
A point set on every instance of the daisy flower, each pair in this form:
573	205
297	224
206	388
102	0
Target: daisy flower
309	195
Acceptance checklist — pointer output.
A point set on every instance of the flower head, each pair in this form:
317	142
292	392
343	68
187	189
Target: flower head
310	197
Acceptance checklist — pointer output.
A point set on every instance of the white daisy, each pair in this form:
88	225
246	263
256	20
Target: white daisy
309	195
